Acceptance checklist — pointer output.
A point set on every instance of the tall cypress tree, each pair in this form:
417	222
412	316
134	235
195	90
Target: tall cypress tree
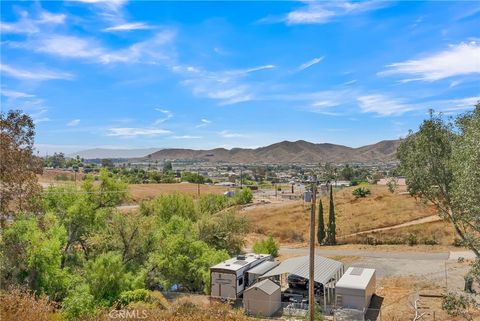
321	224
331	221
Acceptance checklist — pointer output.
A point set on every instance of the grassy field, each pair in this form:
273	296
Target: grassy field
140	192
289	221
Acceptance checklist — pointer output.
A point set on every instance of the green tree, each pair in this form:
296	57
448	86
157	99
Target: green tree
243	196
224	231
31	255
321	224
266	246
167	166
331	230
107	278
182	259
211	203
347	173
166	206
440	163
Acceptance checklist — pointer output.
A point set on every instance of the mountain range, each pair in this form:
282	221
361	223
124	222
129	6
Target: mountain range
285	152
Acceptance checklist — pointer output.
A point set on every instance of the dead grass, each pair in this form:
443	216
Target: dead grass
17	304
399	294
433	233
140	192
289	221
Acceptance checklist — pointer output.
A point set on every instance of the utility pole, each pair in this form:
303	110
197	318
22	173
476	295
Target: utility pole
311	282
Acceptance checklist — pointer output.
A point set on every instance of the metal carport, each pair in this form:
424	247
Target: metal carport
326	272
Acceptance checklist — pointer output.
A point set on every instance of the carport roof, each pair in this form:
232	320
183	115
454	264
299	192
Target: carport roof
325	268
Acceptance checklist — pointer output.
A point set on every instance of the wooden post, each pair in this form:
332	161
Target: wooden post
311	283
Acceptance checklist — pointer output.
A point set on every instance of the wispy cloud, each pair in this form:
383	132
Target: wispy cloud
457	60
37	75
149	51
133	132
129	27
203	122
39	116
15	94
228	134
227	86
383	105
319	12
28	25
310	63
168	114
186	137
73	122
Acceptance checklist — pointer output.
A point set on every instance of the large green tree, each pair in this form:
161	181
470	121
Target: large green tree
331	230
321	224
441	163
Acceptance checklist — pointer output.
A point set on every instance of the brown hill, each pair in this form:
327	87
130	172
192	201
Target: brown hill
286	152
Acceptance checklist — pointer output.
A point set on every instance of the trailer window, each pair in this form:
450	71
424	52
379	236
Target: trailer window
240	281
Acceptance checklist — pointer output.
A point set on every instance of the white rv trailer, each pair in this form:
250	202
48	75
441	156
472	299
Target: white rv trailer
230	278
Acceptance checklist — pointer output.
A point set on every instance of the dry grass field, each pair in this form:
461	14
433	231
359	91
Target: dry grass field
288	221
140	192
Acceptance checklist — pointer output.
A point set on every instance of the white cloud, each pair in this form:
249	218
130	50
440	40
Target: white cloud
15	94
383	105
226	86
457	60
324	11
39	116
228	134
73	122
204	122
129	27
133	132
152	50
168	114
310	63
38	75
28	25
187	137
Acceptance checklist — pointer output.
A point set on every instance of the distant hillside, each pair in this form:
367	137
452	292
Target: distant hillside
113	153
286	152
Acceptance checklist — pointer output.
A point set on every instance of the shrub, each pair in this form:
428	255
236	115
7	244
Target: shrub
17	304
411	239
211	203
141	295
458	305
361	192
266	246
79	303
243	197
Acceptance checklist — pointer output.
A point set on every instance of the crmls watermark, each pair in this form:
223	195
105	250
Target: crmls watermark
128	314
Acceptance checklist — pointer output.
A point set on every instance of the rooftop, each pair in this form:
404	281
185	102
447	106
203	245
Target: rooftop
325	268
235	263
356	278
266	286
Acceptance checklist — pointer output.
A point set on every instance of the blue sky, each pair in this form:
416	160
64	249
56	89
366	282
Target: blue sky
138	74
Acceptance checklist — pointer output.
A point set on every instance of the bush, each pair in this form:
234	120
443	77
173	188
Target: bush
211	203
411	239
17	304
266	246
141	295
79	303
458	305
361	192
243	197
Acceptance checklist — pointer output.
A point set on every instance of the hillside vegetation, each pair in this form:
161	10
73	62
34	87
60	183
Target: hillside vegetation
289	221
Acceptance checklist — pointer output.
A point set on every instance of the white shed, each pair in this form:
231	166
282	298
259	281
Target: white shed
355	288
264	298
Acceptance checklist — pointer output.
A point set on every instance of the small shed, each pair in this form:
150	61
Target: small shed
355	288
264	298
